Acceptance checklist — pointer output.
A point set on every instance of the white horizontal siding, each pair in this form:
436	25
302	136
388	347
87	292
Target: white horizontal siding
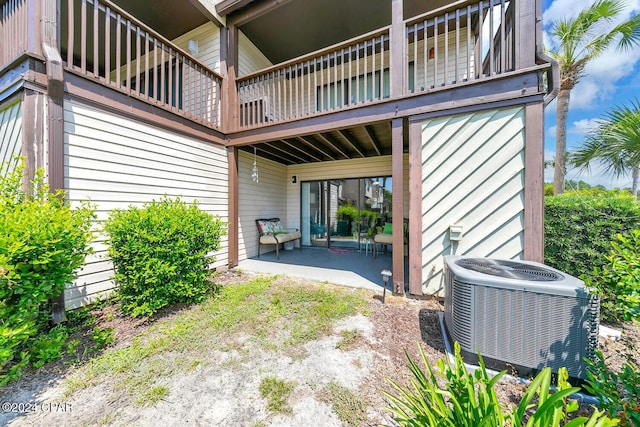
266	198
207	37
10	136
472	175
116	162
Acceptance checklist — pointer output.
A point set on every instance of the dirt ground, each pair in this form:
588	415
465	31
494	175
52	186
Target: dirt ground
219	393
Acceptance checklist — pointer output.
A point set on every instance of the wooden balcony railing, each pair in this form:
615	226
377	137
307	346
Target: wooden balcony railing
348	74
443	48
17	31
102	42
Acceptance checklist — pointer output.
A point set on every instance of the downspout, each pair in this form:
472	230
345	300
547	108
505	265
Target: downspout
55	124
553	72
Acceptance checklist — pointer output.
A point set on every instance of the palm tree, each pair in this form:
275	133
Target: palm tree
581	39
614	143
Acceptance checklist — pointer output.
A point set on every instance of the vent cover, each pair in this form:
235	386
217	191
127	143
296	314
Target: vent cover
509	269
525	314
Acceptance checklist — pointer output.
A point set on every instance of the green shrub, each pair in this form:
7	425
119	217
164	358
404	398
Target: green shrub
618	392
42	243
578	230
470	399
618	281
159	253
347	211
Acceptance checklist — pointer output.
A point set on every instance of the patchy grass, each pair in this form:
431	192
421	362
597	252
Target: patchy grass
153	396
350	408
272	312
350	339
276	392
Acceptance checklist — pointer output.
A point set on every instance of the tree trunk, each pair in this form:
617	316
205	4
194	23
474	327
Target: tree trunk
561	140
635	172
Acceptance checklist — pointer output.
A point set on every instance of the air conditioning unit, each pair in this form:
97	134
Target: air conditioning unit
520	313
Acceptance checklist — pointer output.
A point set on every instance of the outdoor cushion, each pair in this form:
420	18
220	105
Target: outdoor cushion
278	227
265	226
388	228
273	232
384	238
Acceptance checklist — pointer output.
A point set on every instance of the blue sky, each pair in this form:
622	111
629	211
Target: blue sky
612	79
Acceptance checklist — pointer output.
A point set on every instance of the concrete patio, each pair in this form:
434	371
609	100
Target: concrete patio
346	268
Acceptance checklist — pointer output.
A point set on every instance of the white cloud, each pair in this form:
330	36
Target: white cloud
596	176
582	127
551	131
601	74
562	9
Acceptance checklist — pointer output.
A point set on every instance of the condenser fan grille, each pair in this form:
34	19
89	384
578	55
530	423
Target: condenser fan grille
509	269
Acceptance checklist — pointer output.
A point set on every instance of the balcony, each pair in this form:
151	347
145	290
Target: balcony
441	49
101	42
462	43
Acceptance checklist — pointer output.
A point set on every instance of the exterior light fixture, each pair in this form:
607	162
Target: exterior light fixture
254	172
386	275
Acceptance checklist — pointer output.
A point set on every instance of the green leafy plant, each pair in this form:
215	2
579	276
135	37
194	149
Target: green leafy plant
618	392
469	399
347	211
578	230
618	281
160	253
43	241
102	337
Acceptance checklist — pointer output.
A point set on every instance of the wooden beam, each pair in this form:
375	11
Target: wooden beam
262	152
203	9
304	140
299	150
327	140
226	7
415	207
241	17
233	185
348	140
497	92
372	139
288	153
534	183
397	208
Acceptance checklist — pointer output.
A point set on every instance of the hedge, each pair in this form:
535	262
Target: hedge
42	243
578	230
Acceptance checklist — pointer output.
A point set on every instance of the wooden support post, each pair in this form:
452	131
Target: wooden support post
55	119
396	47
534	183
230	91
32	134
415	208
397	209
232	156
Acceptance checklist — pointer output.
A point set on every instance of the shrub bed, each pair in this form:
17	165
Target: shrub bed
42	243
160	254
578	230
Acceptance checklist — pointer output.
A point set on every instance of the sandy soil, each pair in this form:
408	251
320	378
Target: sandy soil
223	393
